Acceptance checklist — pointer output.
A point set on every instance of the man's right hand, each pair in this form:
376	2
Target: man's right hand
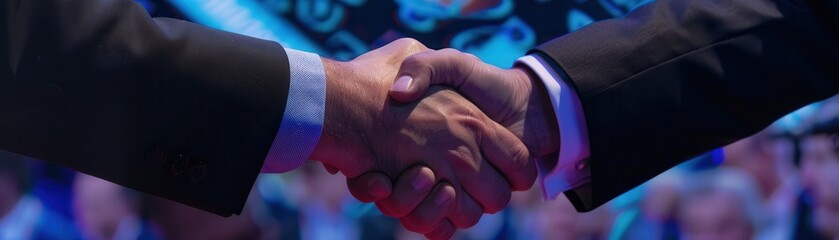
512	97
476	162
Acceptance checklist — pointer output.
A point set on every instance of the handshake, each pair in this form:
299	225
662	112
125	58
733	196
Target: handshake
435	138
435	157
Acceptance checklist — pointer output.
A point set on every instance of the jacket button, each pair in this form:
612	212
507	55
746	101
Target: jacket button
156	157
582	164
197	173
179	165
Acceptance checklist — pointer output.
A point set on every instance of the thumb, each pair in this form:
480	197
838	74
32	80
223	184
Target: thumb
419	71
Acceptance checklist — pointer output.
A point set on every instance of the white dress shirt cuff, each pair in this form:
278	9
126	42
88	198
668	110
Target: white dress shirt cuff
571	169
302	122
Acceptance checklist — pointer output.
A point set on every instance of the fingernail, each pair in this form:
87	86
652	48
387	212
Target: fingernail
378	189
402	83
442	198
421	181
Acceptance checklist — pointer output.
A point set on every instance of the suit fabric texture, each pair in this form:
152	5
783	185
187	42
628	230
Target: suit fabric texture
188	113
160	105
677	78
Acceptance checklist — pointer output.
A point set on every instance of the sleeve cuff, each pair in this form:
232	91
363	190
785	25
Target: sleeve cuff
571	169
302	122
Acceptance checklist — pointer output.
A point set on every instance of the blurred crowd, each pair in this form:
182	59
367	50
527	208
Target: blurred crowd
781	183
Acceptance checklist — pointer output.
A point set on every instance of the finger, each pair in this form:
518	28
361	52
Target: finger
432	212
331	169
509	156
480	179
488	188
466	211
443	231
419	71
370	187
410	188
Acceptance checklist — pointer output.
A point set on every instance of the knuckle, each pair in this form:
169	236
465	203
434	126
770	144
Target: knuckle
520	185
408	225
448	234
359	193
390	209
467	219
384	208
444	231
500	202
470	56
469	119
449	51
419	224
473	219
463	160
411	226
521	158
524	185
407	41
531	178
521	169
463	56
517	162
528	178
412	44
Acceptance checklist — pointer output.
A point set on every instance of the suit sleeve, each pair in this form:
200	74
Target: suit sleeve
677	78
159	105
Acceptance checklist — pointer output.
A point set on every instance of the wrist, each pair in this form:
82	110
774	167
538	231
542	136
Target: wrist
331	139
347	117
542	131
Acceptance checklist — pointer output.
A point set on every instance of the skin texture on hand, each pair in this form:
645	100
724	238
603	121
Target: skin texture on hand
511	97
475	161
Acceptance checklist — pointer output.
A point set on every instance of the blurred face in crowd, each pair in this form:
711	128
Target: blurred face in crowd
100	206
820	170
766	159
715	215
557	219
322	186
178	221
9	192
13	174
660	204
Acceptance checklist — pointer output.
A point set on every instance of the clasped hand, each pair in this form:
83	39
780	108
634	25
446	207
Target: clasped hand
426	154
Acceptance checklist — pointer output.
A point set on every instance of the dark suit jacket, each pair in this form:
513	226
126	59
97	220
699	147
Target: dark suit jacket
163	106
677	78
